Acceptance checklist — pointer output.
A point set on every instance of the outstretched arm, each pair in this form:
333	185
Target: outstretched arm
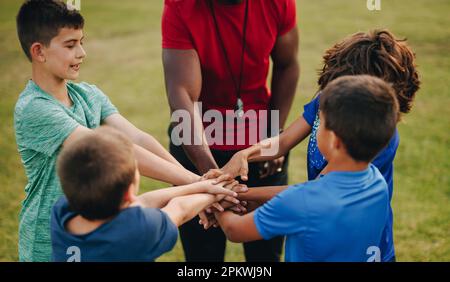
261	194
157	168
183	79
267	149
161	197
140	137
183	209
149	164
287	140
238	228
254	197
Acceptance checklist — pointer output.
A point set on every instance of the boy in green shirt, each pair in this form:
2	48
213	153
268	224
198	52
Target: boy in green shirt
52	112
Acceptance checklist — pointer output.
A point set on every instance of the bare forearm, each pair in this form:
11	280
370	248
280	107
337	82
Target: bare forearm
183	77
259	154
159	198
139	137
261	194
293	135
195	146
238	228
183	209
148	142
155	167
226	220
194	204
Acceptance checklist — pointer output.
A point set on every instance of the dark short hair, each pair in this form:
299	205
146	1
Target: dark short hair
95	172
376	53
362	111
41	20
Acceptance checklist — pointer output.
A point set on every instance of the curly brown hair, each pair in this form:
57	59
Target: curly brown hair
376	53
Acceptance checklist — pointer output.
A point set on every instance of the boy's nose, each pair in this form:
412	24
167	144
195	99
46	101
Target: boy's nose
81	53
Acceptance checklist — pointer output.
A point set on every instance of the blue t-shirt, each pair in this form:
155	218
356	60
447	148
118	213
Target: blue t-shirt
337	217
135	234
383	161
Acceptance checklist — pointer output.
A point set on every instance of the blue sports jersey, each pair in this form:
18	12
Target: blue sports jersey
135	234
337	217
383	161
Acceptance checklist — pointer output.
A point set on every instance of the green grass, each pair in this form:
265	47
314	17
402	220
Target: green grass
123	44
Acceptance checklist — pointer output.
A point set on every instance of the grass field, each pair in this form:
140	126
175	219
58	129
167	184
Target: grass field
123	44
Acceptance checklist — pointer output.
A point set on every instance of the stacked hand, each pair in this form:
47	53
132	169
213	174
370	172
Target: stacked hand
236	166
223	202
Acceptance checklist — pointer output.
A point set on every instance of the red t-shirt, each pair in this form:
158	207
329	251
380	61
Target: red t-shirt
188	24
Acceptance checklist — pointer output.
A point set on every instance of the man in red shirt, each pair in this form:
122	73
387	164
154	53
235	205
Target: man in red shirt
218	52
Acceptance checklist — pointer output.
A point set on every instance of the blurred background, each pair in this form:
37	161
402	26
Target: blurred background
123	45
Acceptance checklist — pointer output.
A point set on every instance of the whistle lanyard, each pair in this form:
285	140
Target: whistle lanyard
239	108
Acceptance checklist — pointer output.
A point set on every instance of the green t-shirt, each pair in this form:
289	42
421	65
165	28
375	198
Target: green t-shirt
42	124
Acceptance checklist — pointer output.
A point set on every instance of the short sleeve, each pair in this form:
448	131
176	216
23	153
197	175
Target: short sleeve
107	108
162	234
175	34
288	20
310	111
43	126
285	214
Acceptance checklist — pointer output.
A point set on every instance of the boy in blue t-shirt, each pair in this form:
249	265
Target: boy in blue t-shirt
376	53
341	215
101	218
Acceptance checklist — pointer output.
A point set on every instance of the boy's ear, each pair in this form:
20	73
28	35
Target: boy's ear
130	195
335	142
37	52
